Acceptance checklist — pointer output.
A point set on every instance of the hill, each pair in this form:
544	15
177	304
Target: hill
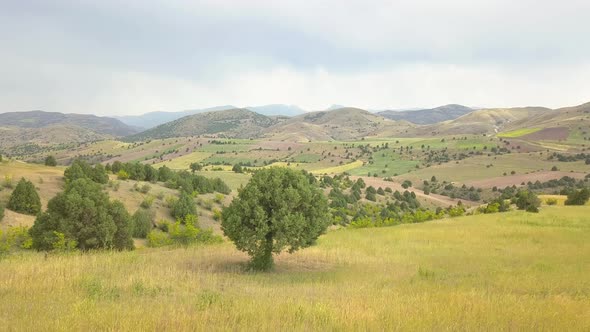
339	124
428	116
29	132
234	123
277	110
486	121
153	119
40	119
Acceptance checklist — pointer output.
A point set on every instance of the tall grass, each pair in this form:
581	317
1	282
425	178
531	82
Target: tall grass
510	271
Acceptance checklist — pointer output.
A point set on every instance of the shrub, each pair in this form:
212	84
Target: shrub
184	206
7	183
1	212
171	201
14	238
24	198
50	161
83	213
157	238
145	188
216	214
218	198
122	175
147	202
551	201
143	220
528	201
578	197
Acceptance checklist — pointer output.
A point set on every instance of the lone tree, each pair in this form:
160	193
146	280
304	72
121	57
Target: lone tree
279	209
578	197
24	198
84	215
50	161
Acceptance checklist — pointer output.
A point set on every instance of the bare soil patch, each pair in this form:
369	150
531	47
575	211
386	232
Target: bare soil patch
549	134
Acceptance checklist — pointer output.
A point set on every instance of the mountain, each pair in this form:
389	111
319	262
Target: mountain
277	110
486	121
40	119
234	123
428	116
339	124
152	119
28	132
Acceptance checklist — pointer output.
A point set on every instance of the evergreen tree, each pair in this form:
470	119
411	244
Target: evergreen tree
279	209
24	198
50	161
83	214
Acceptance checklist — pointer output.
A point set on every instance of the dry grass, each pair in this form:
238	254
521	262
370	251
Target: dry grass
513	271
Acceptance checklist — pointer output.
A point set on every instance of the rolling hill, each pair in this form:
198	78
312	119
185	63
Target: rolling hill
153	119
428	116
26	132
339	124
234	123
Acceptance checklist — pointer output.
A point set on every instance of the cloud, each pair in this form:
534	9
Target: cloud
131	57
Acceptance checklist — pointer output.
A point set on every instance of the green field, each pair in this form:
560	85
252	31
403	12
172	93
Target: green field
513	271
518	132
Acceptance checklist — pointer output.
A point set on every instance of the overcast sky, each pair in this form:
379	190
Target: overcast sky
132	57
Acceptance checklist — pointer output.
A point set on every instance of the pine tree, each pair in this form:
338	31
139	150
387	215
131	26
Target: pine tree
24	198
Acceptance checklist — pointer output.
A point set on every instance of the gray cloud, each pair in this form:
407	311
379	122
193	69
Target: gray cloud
113	57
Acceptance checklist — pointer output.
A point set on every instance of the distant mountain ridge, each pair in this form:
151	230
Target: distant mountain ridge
41	119
235	123
153	119
428	116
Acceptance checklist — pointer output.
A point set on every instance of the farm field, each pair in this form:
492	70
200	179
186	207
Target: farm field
511	271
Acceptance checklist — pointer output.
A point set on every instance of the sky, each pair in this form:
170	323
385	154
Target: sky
136	56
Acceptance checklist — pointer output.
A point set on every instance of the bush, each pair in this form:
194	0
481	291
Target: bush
122	175
216	214
218	198
14	238
184	206
143	220
171	201
24	198
145	188
83	213
7	183
1	212
147	202
578	197
551	201
50	161
528	201
157	238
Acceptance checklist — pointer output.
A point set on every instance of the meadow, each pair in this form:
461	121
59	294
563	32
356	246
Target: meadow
511	271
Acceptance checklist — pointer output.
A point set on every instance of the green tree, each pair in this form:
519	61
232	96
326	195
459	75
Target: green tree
80	169
195	167
237	168
50	161
528	201
578	197
83	213
143	220
279	209
24	198
184	206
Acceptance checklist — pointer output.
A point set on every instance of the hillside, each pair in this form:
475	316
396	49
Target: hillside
428	116
153	119
29	132
277	110
339	124
486	121
234	123
40	119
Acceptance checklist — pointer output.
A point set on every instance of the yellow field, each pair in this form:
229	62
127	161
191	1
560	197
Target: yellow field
518	132
514	271
339	169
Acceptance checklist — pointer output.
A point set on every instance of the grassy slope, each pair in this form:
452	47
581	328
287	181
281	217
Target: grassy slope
512	271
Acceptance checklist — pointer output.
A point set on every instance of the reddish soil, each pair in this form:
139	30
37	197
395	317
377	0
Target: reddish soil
516	180
549	134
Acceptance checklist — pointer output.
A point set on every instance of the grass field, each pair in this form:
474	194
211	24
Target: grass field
518	132
513	271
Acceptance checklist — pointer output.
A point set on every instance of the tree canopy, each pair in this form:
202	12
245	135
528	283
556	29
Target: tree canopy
279	209
50	161
84	215
24	198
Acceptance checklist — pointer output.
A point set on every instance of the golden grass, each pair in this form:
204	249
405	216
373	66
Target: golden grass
513	271
518	133
339	169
